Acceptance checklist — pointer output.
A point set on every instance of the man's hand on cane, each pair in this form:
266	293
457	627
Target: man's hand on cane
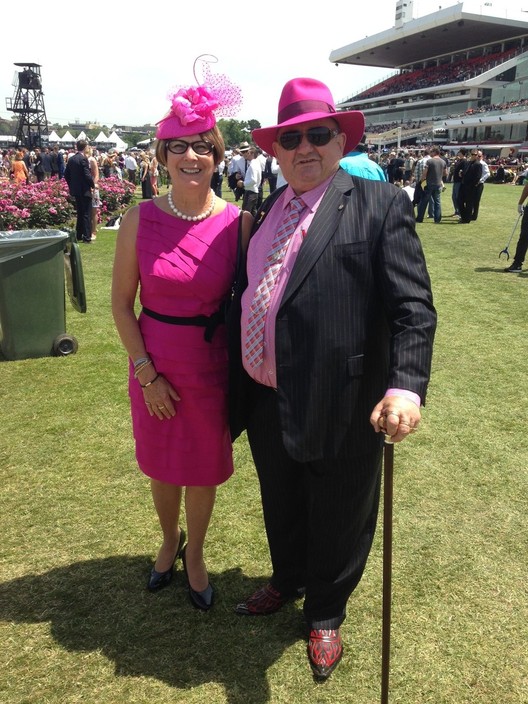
396	416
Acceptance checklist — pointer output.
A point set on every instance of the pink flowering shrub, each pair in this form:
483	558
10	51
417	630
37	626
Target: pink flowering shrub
115	193
35	205
48	204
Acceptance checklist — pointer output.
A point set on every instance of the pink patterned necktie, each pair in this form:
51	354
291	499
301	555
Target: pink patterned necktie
254	347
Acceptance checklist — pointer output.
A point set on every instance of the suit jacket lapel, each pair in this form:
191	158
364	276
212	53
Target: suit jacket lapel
321	230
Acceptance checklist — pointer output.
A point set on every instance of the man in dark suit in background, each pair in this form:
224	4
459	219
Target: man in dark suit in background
468	187
336	344
81	184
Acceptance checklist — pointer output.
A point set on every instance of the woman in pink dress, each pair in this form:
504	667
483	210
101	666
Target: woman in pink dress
179	250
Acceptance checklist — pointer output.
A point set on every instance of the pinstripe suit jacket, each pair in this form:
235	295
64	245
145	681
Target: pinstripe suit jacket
356	318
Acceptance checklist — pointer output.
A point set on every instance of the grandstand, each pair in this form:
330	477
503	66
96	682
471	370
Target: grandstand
459	77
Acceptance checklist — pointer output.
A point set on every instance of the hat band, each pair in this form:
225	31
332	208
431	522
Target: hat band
302	107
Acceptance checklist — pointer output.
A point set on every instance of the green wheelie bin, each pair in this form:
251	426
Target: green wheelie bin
34	267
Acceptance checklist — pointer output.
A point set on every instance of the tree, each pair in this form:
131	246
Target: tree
236	131
8	127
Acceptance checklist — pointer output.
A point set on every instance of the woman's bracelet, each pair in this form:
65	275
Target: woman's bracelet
144	386
140	367
141	360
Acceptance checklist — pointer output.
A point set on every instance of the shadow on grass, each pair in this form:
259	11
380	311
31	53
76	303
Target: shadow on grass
103	605
500	270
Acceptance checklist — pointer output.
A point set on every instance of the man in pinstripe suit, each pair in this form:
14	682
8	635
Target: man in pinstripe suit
344	357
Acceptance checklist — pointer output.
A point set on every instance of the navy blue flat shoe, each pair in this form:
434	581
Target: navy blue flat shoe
200	600
159	580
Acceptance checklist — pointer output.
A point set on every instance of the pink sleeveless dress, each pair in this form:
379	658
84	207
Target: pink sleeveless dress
186	269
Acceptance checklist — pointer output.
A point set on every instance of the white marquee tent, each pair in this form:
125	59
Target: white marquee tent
68	137
116	139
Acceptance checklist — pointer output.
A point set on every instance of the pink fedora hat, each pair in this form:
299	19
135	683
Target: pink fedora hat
303	100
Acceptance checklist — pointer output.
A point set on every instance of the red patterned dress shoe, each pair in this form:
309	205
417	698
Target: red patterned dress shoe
325	650
264	601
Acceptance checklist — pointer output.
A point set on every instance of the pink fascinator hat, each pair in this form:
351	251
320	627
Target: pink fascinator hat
303	100
195	109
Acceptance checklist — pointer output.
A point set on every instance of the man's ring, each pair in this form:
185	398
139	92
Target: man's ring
381	421
393	413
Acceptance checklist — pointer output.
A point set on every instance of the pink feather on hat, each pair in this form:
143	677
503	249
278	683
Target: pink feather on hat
195	109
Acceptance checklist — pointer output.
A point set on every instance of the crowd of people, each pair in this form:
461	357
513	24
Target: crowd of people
423	173
50	162
88	165
37	164
429	124
453	71
399	164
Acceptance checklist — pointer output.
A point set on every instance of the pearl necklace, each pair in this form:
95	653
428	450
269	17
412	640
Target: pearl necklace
192	218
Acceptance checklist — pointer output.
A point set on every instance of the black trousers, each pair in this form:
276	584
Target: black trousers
476	201
250	202
522	244
466	201
83	227
320	517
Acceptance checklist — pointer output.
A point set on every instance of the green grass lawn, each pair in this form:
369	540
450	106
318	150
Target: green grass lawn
79	531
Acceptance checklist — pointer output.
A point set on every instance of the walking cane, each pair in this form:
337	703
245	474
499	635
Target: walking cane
388	470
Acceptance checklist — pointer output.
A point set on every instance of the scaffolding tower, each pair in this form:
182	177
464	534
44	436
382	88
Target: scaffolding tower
28	103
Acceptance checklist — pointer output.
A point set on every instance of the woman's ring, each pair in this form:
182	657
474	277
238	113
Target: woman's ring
160	407
147	403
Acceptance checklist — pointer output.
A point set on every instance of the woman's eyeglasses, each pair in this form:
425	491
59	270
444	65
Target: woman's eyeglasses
180	146
318	136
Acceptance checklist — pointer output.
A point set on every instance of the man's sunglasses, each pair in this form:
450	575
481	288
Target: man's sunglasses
180	146
318	136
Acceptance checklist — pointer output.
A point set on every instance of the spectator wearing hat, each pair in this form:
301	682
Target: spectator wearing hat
337	327
236	170
252	181
468	187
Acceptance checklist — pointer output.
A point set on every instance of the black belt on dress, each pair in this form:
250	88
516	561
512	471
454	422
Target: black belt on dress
209	322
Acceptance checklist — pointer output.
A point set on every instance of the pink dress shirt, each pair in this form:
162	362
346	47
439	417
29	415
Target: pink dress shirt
259	247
